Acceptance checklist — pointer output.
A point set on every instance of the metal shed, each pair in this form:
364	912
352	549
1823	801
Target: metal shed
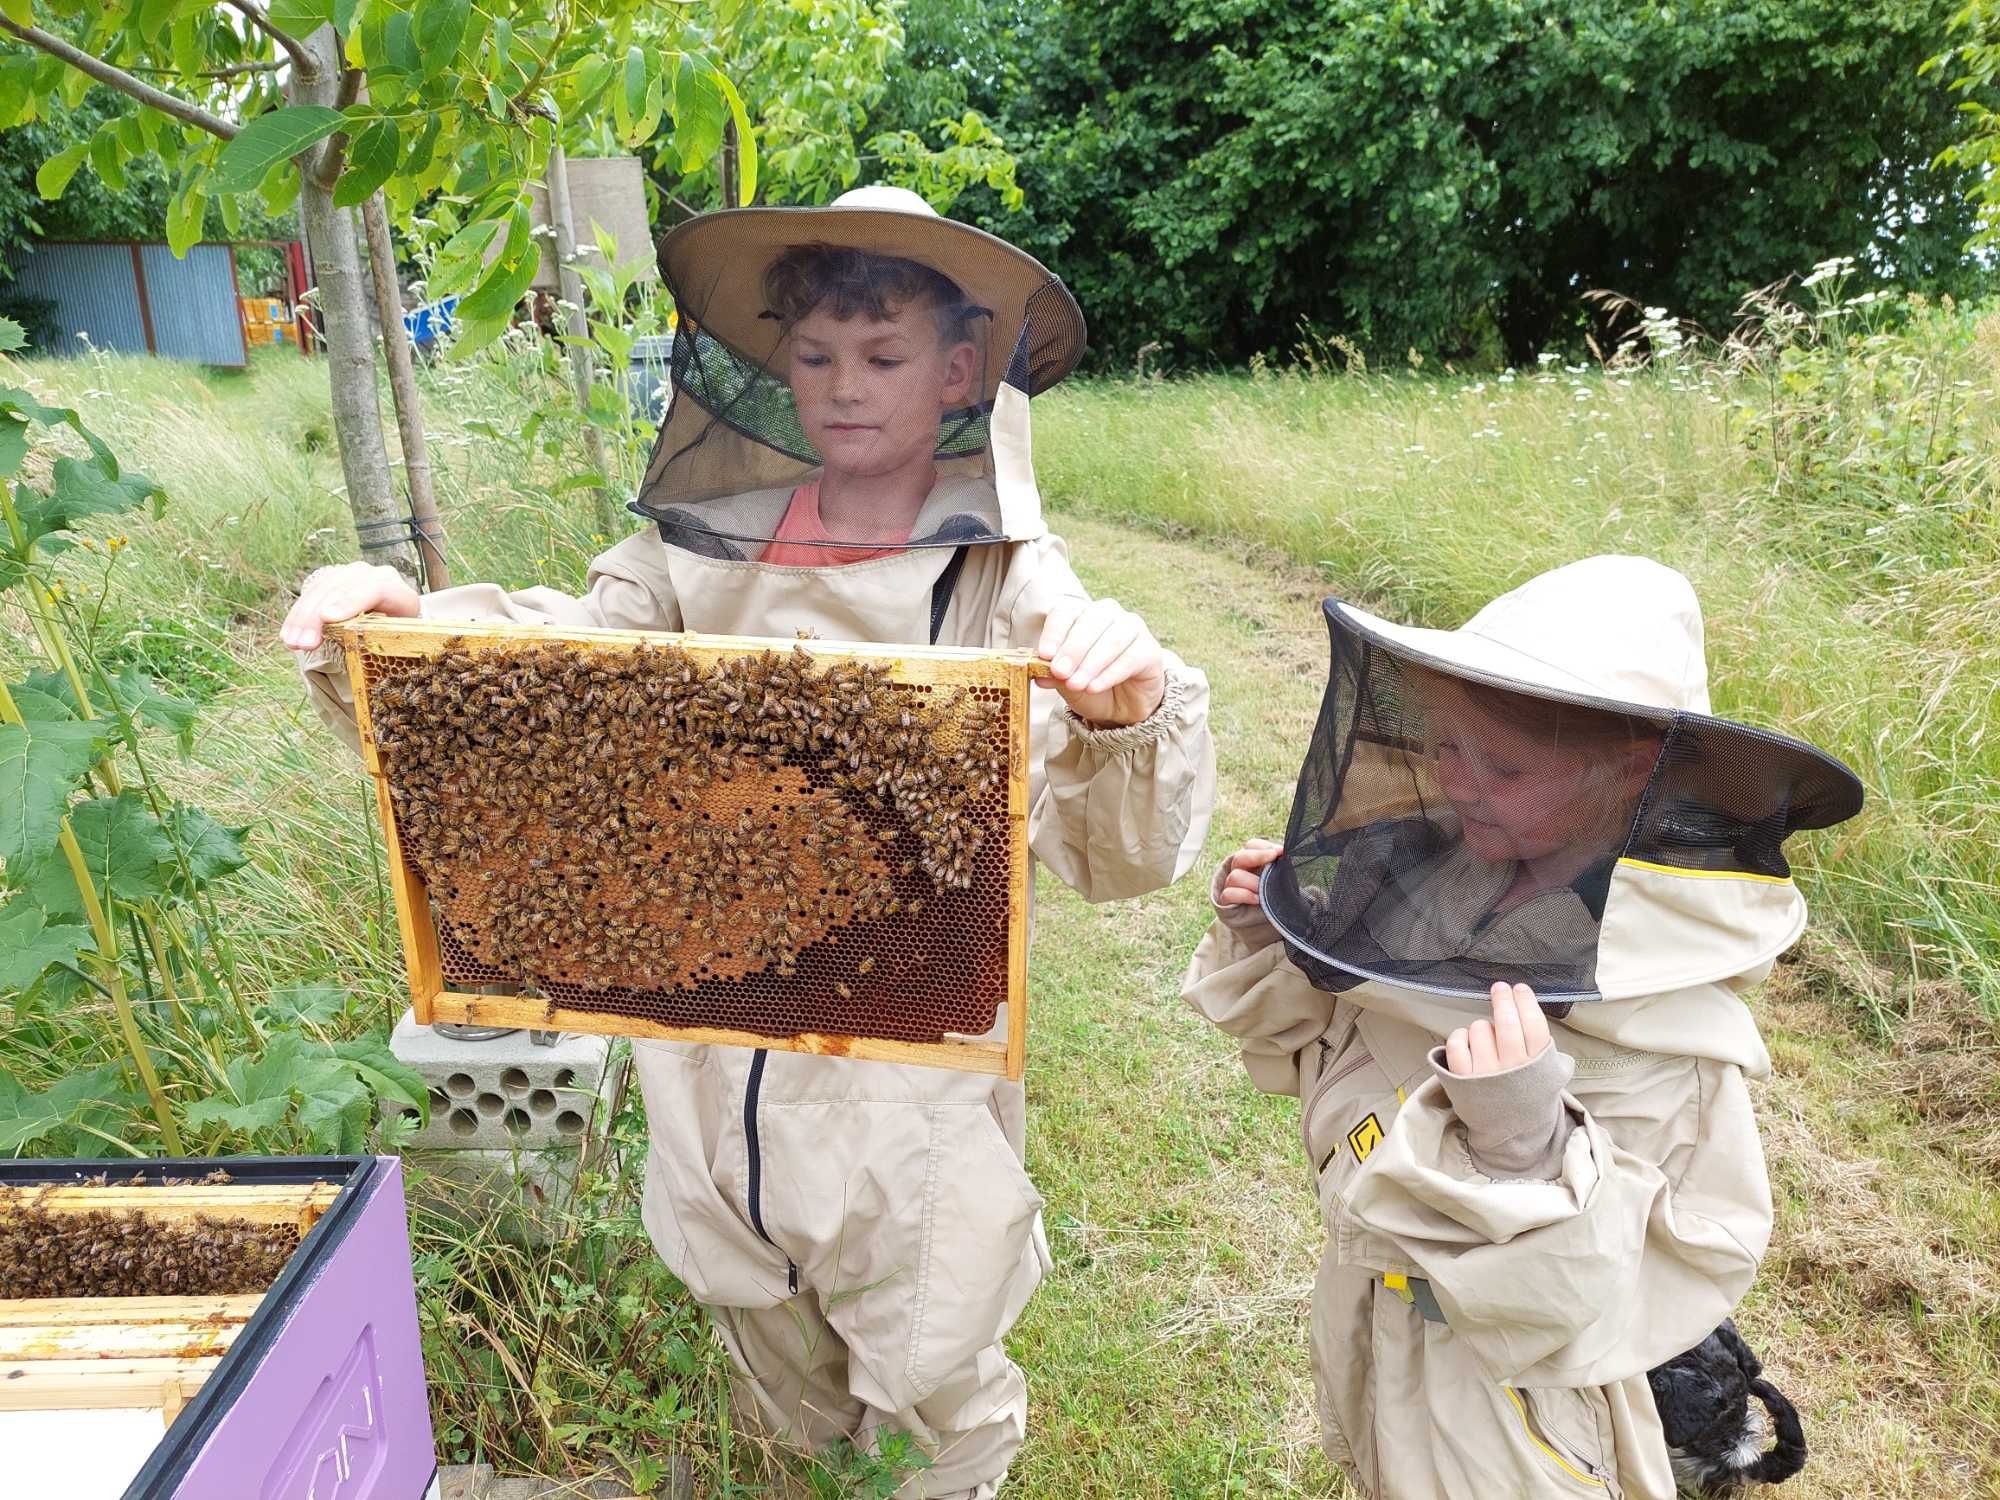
138	299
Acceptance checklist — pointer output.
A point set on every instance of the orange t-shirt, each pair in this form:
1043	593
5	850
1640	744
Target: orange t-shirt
799	531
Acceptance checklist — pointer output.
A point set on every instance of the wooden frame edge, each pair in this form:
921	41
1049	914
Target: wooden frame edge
250	1203
95	1384
973	1055
387	635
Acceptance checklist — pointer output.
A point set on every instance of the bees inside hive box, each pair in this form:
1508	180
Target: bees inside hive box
200	1329
803	845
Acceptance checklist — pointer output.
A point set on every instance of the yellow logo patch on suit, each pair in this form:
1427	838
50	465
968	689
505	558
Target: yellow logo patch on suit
1365	1137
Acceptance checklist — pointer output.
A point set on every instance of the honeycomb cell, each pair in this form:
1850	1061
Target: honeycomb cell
765	844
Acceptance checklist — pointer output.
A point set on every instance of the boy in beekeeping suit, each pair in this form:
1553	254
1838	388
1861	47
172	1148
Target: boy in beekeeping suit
847	453
1501	958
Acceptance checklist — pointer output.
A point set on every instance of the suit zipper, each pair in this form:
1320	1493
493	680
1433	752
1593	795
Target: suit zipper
1321	1088
751	1090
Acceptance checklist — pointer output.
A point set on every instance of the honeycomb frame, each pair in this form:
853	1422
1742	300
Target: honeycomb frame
448	985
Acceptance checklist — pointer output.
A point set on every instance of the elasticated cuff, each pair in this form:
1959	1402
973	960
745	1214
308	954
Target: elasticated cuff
1516	1123
1124	738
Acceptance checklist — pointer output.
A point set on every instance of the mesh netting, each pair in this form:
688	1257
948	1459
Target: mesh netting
732	447
765	843
753	402
1450	831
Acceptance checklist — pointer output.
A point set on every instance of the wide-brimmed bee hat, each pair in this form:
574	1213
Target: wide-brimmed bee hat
732	446
1543	796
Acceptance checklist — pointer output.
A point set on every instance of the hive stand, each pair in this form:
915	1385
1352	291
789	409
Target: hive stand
481	1482
505	1094
512	1122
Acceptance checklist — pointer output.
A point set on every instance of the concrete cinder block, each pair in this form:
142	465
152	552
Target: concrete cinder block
480	1482
519	1194
507	1092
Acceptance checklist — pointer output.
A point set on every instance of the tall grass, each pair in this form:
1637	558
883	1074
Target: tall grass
1828	489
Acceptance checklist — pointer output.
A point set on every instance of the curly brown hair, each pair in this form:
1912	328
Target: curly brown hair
848	282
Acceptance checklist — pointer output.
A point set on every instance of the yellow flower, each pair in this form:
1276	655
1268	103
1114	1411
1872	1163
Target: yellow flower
116	542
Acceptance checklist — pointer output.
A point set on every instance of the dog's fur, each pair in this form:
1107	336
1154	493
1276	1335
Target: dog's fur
1716	1436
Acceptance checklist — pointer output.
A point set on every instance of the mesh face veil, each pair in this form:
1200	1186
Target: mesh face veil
1469	812
865	337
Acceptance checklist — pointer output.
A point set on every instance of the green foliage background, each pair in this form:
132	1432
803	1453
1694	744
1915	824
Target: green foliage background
1449	176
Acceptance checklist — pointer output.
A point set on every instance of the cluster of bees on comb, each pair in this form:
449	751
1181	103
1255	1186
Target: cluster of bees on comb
639	820
99	1254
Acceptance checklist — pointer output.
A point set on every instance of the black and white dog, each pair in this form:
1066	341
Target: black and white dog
1715	1434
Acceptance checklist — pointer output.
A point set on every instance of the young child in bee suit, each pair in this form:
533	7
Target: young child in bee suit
1501	958
847	452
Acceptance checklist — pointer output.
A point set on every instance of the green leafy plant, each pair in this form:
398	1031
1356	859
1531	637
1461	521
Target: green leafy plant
107	880
1858	411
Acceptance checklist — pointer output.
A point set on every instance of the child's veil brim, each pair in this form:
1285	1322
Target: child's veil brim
1379	883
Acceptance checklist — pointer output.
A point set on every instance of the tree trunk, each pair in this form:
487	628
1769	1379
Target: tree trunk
379	522
577	339
403	386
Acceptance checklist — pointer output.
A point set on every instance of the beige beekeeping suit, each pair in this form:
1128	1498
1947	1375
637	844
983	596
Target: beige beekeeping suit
1558	1293
1508	1254
865	1251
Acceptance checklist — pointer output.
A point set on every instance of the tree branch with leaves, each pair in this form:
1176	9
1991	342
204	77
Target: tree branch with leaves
331	102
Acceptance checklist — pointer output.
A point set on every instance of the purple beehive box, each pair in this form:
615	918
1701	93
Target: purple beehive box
321	1394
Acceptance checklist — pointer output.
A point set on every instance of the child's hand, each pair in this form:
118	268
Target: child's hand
335	594
1104	662
1517	1032
1238	886
1235	890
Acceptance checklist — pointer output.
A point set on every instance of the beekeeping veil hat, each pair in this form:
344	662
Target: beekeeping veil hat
1541	796
731	448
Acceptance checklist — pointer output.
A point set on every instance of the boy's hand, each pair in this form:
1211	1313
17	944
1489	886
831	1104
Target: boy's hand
1517	1032
1104	662
335	594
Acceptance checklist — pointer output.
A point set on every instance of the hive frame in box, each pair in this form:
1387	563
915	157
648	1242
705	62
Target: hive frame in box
263	1393
931	666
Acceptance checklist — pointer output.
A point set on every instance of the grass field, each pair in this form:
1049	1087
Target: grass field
1836	515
